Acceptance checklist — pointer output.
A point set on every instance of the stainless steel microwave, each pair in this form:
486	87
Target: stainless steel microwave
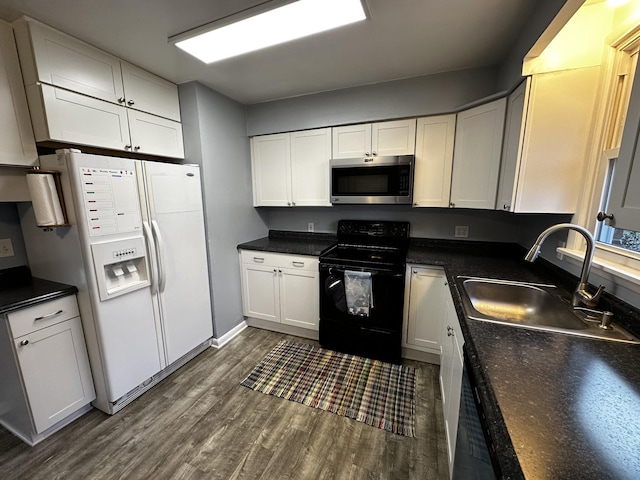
375	180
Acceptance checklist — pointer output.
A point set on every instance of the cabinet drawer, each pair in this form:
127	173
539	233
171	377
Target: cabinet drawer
301	262
42	315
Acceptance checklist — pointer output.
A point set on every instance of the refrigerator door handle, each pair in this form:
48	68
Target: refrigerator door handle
151	257
162	277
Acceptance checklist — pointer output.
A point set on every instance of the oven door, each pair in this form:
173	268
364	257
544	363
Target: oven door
376	335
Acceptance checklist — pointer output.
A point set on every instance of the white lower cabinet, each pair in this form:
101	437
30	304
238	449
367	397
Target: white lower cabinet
424	309
44	369
280	289
451	369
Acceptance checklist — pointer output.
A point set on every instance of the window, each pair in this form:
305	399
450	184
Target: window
617	255
615	237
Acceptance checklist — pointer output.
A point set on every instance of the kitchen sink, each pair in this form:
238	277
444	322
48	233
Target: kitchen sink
534	306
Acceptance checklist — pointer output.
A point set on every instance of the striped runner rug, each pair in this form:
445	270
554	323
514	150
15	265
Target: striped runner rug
370	391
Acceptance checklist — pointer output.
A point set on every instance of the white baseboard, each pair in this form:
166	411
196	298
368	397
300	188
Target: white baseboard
283	328
230	335
426	357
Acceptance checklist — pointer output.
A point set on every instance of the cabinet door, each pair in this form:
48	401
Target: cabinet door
77	119
557	138
299	298
426	309
451	365
150	93
155	135
260	296
352	141
58	59
476	158
271	170
55	371
512	145
453	410
18	146
310	155
394	138
434	161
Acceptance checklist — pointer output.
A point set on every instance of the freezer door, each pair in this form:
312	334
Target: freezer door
177	221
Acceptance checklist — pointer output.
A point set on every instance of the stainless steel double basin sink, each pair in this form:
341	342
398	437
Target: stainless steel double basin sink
534	306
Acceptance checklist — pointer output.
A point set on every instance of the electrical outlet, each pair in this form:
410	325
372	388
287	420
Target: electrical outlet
462	231
6	248
310	227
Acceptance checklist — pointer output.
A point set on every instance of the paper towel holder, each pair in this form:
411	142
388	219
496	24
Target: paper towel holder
56	178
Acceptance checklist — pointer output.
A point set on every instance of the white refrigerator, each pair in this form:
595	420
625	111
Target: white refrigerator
136	250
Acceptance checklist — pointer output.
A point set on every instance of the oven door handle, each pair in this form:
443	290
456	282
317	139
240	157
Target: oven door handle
373	271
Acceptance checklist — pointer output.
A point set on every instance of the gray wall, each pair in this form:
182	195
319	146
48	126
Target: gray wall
10	228
419	96
215	135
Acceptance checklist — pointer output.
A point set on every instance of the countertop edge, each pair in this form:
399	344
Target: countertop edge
30	302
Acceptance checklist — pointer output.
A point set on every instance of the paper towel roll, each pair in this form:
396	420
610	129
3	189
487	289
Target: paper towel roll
44	197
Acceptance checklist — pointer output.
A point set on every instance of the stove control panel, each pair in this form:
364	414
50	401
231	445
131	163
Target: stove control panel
368	228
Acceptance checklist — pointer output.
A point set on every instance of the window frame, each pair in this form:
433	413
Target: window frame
616	264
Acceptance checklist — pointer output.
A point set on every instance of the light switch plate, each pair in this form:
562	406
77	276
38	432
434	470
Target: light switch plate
6	248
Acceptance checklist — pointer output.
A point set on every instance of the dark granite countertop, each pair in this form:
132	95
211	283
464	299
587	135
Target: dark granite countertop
295	243
19	290
557	406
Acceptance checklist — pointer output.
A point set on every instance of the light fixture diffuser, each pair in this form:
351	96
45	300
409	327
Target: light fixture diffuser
219	40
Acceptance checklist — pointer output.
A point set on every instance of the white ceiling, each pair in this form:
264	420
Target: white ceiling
402	39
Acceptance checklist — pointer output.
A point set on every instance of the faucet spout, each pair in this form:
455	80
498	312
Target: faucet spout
580	296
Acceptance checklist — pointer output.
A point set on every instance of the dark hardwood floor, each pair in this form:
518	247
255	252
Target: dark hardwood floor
200	423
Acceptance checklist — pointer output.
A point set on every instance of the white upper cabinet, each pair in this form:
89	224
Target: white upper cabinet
150	93
548	126
69	117
476	158
352	141
112	100
154	135
310	155
375	139
18	145
271	170
58	59
291	169
434	161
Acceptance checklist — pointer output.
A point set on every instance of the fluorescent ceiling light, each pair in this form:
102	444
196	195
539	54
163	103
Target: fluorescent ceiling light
219	40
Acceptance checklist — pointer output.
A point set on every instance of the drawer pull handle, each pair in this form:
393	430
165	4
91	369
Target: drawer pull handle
49	315
298	264
258	259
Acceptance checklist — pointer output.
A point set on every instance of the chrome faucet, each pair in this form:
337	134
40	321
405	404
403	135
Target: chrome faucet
580	295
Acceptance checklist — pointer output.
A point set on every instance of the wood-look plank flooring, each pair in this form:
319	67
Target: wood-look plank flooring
200	423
